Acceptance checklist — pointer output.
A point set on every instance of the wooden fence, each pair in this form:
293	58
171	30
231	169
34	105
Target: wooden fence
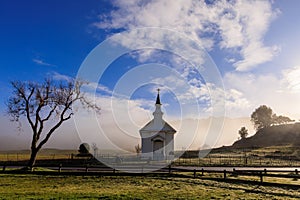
188	172
287	174
219	160
209	160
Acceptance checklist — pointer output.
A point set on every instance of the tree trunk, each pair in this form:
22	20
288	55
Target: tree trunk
32	159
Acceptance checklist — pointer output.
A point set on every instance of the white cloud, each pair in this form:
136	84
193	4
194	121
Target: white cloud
254	90
291	80
255	54
41	62
95	88
199	99
231	25
87	87
236	103
60	77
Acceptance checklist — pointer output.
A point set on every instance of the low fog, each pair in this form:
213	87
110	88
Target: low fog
192	134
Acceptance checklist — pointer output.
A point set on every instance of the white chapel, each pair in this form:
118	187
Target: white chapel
157	136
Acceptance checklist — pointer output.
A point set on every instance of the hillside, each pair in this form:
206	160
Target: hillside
288	134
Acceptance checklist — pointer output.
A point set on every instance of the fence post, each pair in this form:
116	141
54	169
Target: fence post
170	169
194	173
59	168
224	173
202	172
265	171
260	161
261	176
296	171
4	166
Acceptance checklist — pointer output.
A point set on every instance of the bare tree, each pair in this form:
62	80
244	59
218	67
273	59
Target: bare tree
95	149
138	149
46	106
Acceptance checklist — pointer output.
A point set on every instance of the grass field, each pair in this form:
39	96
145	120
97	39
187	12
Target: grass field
29	186
287	155
268	156
43	154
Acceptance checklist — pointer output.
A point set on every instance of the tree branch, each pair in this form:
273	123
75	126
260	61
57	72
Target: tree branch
62	119
50	114
26	99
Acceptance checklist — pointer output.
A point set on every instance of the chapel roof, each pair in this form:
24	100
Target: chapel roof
165	127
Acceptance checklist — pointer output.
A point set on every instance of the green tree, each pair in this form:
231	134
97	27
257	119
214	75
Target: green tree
243	132
281	119
262	117
84	148
45	106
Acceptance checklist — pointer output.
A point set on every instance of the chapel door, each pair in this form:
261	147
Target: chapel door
158	150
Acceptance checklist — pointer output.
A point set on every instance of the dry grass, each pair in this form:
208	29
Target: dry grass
44	154
137	187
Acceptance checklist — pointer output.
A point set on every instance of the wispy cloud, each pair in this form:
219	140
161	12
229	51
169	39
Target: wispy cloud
41	62
60	77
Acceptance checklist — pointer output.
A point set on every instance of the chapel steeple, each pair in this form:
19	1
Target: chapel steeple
158	98
158	121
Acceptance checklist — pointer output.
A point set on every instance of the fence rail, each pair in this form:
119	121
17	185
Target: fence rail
290	174
220	160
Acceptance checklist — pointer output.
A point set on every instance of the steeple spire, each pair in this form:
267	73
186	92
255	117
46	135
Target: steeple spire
158	98
158	121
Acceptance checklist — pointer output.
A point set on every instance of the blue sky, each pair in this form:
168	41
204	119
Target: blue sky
53	32
255	46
